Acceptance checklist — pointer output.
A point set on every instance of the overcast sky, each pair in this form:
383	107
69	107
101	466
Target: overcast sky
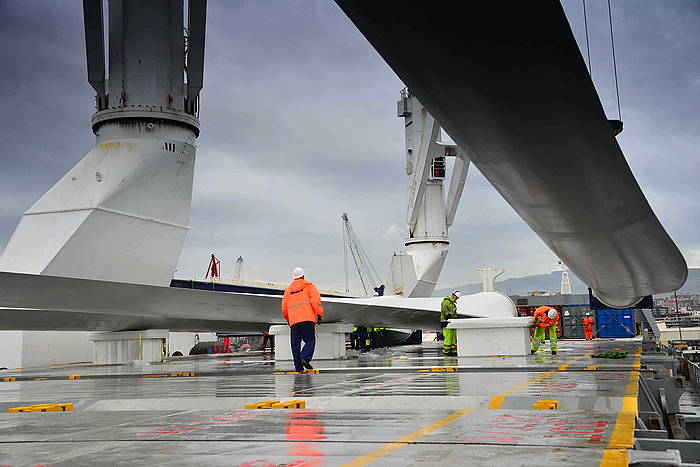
299	124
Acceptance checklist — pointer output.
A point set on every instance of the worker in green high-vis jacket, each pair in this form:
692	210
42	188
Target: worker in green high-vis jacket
448	310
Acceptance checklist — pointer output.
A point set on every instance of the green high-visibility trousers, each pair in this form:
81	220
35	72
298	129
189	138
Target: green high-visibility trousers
450	342
540	335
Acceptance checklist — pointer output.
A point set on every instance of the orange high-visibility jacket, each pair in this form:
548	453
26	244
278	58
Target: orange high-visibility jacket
301	302
587	322
541	318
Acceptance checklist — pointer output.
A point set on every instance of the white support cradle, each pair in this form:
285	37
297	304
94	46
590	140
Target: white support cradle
128	346
330	341
480	337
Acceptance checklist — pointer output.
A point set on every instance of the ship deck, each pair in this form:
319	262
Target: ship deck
404	406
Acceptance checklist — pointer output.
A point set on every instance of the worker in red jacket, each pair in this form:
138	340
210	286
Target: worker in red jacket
588	326
545	317
301	307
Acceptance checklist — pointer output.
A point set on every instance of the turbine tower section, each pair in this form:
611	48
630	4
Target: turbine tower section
430	213
122	213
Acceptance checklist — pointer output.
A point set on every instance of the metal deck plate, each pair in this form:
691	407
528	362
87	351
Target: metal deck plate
375	409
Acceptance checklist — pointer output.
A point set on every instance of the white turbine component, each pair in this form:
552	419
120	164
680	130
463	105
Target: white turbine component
488	278
122	212
428	215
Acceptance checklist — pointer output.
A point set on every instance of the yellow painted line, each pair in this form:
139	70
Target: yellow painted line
622	437
496	402
615	457
388	448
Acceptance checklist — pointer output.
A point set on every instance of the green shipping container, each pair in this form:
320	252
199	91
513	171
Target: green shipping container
571	317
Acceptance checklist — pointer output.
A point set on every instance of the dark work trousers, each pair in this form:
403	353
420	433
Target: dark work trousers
304	331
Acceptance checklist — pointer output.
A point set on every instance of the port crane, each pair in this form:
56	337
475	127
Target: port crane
238	273
368	275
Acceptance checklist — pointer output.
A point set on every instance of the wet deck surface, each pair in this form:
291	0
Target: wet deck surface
386	408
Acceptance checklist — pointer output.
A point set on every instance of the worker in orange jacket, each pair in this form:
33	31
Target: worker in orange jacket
545	317
588	326
301	307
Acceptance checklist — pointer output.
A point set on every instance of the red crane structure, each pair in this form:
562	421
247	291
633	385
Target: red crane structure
214	269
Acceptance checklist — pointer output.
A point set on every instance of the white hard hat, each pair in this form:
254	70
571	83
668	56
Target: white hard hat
552	313
297	273
457	293
588	314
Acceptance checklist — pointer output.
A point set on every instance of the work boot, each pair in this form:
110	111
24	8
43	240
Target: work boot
554	352
306	365
532	352
453	353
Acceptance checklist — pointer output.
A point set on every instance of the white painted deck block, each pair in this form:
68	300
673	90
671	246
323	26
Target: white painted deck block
479	337
330	341
128	346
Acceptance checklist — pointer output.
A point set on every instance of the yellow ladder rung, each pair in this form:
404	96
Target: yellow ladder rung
592	368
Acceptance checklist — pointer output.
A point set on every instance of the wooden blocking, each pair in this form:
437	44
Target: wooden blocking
64	407
441	369
290	405
74	377
8	379
261	405
546	405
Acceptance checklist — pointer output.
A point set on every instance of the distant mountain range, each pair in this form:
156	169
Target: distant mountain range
552	282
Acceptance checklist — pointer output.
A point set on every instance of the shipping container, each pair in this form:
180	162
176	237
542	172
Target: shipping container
571	317
615	323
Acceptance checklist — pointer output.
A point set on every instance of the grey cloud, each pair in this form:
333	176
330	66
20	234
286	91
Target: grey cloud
299	125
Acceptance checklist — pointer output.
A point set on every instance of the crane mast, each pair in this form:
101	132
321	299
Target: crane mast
415	271
238	273
369	278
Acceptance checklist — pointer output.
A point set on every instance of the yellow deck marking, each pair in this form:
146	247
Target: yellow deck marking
496	402
388	448
622	437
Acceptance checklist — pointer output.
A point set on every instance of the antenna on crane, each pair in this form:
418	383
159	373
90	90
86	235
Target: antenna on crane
214	269
368	275
565	288
238	273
